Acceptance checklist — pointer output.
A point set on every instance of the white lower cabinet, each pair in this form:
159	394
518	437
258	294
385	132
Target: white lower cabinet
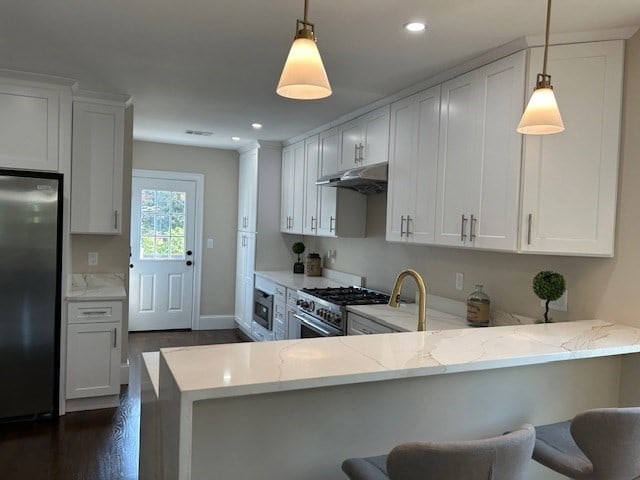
245	262
94	337
570	180
280	330
359	325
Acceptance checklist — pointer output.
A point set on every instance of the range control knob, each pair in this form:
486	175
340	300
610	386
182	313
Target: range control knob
302	303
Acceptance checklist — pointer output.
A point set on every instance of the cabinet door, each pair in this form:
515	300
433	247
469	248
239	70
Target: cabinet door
97	168
250	254
570	179
240	304
286	188
375	137
495	172
248	191
311	169
458	131
29	127
93	359
424	169
241	255
350	145
327	196
401	187
292	324
298	189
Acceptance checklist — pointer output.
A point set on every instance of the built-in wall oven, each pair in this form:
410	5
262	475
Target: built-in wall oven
263	309
308	327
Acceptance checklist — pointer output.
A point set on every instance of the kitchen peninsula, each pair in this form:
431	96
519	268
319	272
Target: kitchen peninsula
295	409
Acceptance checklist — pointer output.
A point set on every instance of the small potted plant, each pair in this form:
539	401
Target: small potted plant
548	286
298	248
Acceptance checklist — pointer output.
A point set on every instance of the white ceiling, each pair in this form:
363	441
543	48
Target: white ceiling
213	65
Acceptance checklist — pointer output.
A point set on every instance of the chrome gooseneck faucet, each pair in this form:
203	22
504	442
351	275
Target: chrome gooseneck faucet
394	301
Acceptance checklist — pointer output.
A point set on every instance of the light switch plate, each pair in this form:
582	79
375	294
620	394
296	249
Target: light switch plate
92	259
459	281
209	242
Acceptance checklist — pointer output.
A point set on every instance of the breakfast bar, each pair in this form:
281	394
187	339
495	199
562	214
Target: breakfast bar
295	409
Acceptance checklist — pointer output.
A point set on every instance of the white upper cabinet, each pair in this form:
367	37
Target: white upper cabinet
248	191
570	179
479	157
365	140
292	188
311	174
30	124
97	168
413	161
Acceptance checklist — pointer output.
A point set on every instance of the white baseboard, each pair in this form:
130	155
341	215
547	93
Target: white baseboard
92	403
215	322
124	373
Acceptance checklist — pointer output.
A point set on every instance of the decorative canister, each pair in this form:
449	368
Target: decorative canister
478	308
313	265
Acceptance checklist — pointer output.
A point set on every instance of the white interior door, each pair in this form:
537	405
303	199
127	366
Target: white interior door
162	254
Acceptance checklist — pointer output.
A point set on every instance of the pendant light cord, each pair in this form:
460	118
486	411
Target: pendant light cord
306	9
546	39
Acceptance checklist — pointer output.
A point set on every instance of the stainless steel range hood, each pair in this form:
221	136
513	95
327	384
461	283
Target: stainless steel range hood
367	180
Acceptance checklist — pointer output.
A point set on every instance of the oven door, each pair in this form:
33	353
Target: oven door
309	327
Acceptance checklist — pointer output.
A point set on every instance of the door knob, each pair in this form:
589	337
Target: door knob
189	263
131	265
189	252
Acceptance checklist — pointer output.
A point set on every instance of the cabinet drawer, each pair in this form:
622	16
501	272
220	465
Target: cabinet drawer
94	312
280	293
363	326
292	296
279	334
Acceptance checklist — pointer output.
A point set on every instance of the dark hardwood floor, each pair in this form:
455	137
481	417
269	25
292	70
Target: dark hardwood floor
98	444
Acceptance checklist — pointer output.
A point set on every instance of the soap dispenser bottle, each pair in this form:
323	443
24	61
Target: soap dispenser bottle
478	308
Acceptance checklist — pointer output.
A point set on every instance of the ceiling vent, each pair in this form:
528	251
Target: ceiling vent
199	133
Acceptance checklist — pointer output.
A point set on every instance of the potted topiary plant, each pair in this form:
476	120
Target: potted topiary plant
298	249
548	286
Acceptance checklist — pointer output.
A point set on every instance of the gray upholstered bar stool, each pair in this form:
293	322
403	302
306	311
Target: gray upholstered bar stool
499	458
599	444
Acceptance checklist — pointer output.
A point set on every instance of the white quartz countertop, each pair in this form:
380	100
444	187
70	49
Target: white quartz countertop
216	371
96	287
299	280
405	317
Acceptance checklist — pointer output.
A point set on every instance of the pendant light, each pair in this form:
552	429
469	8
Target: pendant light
542	116
303	76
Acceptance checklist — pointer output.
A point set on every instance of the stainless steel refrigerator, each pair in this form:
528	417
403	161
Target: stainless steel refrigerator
30	282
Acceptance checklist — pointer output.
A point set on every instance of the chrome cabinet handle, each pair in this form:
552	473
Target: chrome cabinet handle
472	234
401	226
355	153
314	220
115	219
115	337
529	222
409	219
95	312
361	156
462	228
332	227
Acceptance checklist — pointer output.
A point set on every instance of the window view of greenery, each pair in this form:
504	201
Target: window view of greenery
162	225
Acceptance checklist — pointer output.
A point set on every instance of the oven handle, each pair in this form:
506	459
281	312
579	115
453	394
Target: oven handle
313	326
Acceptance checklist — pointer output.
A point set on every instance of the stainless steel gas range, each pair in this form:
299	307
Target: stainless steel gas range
322	312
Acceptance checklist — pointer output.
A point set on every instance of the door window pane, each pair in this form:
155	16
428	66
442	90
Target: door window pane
162	225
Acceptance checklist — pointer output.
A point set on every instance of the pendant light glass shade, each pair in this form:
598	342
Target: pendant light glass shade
303	76
542	115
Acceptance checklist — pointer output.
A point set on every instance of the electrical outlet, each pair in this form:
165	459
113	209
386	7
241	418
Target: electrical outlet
331	256
561	304
209	242
459	281
92	259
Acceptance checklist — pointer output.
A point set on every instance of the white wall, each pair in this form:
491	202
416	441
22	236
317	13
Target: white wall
220	170
598	287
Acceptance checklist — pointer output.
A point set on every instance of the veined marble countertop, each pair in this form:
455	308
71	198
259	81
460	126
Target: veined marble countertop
330	278
96	287
405	317
217	371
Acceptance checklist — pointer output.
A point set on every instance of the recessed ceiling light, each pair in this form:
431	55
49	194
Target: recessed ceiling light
257	126
235	139
415	26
